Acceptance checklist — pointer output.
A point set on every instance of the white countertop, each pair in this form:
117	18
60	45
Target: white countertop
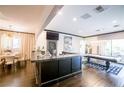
44	58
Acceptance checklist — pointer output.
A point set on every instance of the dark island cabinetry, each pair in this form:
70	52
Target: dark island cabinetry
54	69
49	70
76	63
64	66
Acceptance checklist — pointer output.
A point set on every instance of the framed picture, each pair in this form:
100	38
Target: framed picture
52	46
67	43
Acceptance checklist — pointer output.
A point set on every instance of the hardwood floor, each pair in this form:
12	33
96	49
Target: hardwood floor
21	77
90	77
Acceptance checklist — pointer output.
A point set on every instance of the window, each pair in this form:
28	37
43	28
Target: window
105	47
16	43
118	49
113	47
6	42
12	43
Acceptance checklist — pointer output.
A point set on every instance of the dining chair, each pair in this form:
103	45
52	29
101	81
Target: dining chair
22	60
9	63
16	60
2	63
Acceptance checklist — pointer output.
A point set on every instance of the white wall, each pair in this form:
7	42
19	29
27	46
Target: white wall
76	43
41	40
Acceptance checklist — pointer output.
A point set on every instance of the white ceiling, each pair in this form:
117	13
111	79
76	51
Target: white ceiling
24	18
103	21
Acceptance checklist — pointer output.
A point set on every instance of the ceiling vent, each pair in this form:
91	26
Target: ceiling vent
99	9
116	26
97	29
86	16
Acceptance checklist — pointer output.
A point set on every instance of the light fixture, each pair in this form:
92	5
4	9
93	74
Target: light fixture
59	13
10	26
16	27
74	19
114	21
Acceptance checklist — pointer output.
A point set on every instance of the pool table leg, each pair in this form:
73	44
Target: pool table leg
107	65
88	60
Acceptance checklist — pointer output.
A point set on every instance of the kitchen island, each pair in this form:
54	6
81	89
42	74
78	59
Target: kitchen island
53	69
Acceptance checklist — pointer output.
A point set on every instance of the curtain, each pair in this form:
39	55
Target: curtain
26	42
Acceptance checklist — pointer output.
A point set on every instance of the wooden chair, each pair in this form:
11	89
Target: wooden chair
16	60
9	63
23	61
2	63
1	67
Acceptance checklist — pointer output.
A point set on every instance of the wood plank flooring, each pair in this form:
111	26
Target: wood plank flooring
90	77
21	77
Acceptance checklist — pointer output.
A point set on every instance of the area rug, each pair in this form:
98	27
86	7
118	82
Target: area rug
114	69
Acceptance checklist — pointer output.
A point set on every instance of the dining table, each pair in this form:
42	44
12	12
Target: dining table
3	58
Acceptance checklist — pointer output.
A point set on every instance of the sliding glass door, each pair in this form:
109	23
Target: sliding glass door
118	49
105	47
114	47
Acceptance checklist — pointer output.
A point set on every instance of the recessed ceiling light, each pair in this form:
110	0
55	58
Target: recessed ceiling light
74	19
59	13
114	21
